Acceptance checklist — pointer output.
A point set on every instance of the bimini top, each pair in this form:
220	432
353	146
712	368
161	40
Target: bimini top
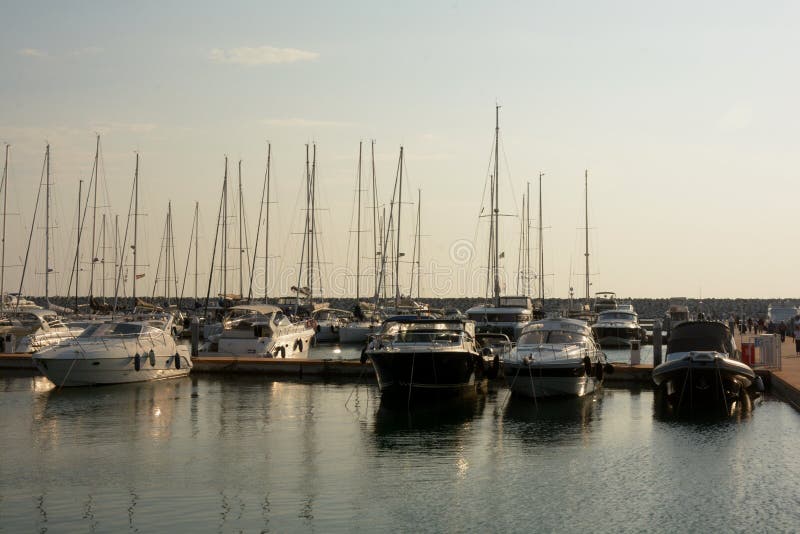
700	336
263	309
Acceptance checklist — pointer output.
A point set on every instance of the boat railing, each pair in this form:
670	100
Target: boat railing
552	351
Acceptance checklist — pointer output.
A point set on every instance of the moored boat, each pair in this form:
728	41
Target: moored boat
702	372
137	349
617	328
415	357
555	357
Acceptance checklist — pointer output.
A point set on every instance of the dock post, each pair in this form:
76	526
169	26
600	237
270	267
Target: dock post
636	353
656	343
195	335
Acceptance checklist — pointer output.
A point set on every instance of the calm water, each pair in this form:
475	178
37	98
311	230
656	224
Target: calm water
211	453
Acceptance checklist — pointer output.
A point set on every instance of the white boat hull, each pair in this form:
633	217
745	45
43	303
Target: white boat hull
548	386
100	369
294	345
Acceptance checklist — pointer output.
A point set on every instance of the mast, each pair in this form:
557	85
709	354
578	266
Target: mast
528	242
266	227
117	266
496	208
78	247
94	212
358	229
167	230
3	240
47	233
397	255
586	211
313	229
241	249
375	230
103	259
419	241
135	225
541	240
196	242
224	258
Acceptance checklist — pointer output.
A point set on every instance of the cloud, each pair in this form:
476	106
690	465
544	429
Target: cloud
32	52
303	123
133	127
260	55
87	51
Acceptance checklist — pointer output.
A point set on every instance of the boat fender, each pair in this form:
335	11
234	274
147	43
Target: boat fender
364	355
152	356
609	368
137	361
298	346
175	331
487	351
333	328
177	361
587	364
318	328
479	366
496	363
598	371
279	352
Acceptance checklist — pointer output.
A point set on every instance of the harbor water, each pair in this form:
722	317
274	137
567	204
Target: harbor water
214	453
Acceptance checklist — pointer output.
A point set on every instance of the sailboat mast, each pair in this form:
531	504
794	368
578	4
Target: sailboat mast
419	241
496	207
135	225
224	258
586	211
397	255
313	230
103	258
166	255
241	249
528	242
78	247
541	250
94	212
196	242
47	233
375	231
266	227
3	251
358	228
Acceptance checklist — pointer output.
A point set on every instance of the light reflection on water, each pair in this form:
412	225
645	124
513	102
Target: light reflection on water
249	453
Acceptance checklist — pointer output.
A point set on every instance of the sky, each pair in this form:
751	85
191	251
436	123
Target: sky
684	115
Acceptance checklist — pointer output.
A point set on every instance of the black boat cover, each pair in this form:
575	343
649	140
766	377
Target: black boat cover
700	336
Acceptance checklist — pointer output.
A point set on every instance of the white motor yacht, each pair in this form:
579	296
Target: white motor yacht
508	317
555	357
135	349
261	330
32	329
329	322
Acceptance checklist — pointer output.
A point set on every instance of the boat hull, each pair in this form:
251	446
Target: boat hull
356	334
703	384
94	369
543	380
616	337
431	373
293	345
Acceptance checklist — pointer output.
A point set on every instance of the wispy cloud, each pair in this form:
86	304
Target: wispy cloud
260	55
304	123
31	52
87	51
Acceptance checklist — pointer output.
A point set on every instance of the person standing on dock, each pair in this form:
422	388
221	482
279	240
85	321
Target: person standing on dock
797	335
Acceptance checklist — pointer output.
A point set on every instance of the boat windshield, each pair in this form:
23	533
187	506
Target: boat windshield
617	316
428	336
499	317
555	337
112	329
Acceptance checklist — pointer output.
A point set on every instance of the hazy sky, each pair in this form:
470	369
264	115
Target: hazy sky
684	113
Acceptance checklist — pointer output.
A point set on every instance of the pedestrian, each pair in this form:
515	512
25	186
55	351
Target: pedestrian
797	335
749	324
782	331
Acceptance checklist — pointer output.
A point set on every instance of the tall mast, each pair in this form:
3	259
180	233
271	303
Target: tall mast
419	241
3	240
241	250
358	229
266	227
375	231
528	242
78	247
224	258
196	242
47	233
586	211
166	255
94	211
496	207
135	225
541	250
312	240
117	266
103	258
397	255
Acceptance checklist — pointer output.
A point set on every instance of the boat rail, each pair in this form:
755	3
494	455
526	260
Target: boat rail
553	351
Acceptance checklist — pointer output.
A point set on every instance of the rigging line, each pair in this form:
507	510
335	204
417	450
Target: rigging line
124	248
213	257
30	237
188	257
258	230
76	261
164	243
174	266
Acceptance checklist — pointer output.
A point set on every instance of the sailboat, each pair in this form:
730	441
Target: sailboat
136	348
584	311
504	314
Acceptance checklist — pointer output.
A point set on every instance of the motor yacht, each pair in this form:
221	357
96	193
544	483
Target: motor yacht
617	328
32	329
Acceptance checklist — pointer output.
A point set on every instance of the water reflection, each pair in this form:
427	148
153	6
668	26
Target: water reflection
551	420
